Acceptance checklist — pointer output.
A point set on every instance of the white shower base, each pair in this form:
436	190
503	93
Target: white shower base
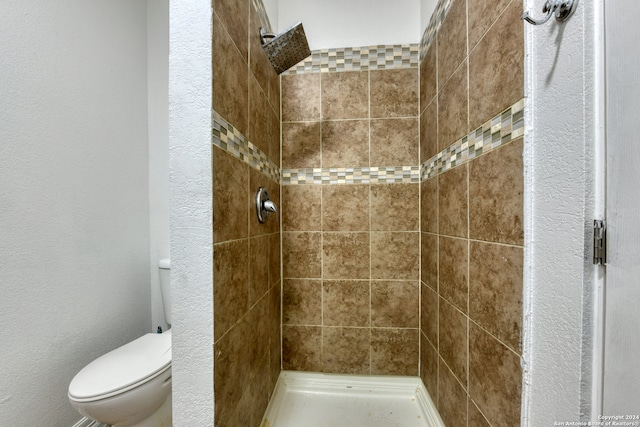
303	399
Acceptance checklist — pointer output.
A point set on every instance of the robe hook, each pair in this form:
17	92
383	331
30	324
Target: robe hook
563	9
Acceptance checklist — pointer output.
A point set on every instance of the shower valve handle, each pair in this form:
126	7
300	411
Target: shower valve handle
264	206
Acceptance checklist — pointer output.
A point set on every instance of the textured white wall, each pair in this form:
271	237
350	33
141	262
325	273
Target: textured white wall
190	208
158	129
339	23
74	210
559	212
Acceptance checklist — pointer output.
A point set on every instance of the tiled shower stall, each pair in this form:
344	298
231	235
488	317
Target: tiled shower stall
400	247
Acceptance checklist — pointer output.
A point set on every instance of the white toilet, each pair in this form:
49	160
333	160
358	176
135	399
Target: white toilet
131	385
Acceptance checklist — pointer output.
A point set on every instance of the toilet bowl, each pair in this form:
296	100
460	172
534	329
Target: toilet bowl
131	385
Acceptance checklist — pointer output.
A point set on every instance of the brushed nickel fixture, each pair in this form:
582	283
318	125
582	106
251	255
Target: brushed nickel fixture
286	49
563	9
264	206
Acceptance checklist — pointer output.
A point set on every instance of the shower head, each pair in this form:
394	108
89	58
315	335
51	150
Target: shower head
286	49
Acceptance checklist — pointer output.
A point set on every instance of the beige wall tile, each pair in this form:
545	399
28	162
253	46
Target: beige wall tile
453	117
273	134
394	93
453	284
395	207
302	348
395	255
453	339
254	401
239	357
232	369
395	304
453	207
258	268
345	207
429	131
230	79
345	143
429	265
452	398
301	145
275	275
300	97
476	419
428	76
230	197
302	255
302	208
496	67
259	120
394	351
230	284
394	142
430	314
346	303
302	302
496	188
234	15
346	256
495	290
452	41
482	14
429	206
275	341
429	368
346	350
495	378
345	95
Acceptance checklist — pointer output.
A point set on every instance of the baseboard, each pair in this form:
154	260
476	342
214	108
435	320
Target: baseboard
86	422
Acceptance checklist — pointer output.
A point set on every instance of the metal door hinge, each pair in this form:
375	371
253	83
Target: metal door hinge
599	242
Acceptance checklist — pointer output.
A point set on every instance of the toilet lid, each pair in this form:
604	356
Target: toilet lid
135	362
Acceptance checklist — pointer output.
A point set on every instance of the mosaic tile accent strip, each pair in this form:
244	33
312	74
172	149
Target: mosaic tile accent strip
442	8
503	128
371	175
262	15
228	138
381	57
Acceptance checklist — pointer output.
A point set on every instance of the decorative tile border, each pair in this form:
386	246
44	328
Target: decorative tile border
371	175
228	138
503	128
442	8
381	57
500	130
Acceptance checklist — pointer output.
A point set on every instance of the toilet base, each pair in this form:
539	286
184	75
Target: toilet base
159	418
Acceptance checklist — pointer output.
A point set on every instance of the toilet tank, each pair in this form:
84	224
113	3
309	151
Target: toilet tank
165	287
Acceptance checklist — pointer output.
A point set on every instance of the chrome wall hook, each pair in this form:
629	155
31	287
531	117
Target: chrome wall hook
563	9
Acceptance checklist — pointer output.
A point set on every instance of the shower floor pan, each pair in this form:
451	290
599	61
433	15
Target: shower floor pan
303	399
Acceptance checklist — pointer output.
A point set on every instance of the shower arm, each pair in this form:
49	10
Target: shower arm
266	36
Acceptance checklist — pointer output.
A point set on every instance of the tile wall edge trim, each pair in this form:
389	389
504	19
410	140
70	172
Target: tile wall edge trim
232	141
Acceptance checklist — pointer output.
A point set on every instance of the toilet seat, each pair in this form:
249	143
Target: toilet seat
123	369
